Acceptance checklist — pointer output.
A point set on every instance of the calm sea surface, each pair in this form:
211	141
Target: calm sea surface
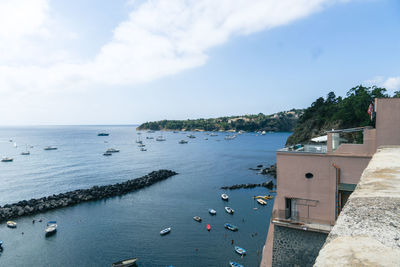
101	232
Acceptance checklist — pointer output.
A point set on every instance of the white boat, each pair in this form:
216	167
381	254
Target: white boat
160	138
225	197
261	201
112	150
165	231
213	134
183	142
6	159
125	263
191	136
212	211
263	132
25	153
197	218
229	210
240	250
235	264
11	224
50	148
51	227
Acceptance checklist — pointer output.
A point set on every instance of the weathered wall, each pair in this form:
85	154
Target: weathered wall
387	121
292	247
367	232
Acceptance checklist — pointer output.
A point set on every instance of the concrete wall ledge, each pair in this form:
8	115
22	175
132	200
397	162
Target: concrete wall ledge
367	232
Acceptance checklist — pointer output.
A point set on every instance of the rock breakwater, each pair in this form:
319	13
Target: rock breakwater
28	207
268	185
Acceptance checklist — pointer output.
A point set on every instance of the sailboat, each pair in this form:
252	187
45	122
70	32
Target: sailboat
161	138
26	152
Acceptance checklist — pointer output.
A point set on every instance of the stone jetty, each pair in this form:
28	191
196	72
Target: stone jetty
268	185
28	207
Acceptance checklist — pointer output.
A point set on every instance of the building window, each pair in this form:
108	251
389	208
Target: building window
309	175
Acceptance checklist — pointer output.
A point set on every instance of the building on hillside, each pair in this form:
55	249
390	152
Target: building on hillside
314	182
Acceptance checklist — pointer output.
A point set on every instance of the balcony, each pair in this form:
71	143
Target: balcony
308	148
294	220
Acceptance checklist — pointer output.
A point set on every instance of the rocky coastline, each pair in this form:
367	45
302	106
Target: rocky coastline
28	207
268	185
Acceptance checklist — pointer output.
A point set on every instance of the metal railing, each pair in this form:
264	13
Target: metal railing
308	148
294	217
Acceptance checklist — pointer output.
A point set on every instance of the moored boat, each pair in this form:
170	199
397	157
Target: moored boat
225	197
125	263
208	227
183	142
112	150
261	202
51	228
50	148
6	159
212	211
263	197
191	136
143	149
240	250
229	210
1	245
11	224
103	134
25	153
231	227
165	231
160	138
107	154
197	218
235	264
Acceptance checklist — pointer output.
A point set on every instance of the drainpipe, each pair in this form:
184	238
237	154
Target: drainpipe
337	189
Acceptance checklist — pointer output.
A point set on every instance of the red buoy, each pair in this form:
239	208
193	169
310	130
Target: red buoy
208	227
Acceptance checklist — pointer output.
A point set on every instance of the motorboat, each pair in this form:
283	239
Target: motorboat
240	250
112	150
125	263
183	142
225	197
6	159
103	134
141	145
212	211
235	264
51	228
143	149
231	227
107	154
50	148
229	210
191	136
149	137
213	134
160	138
165	231
12	224
261	202
1	245
197	218
206	138
208	227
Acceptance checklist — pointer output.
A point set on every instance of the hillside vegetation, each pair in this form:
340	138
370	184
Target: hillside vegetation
279	122
337	113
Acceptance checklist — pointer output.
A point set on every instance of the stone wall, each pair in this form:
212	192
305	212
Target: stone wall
294	247
26	207
367	231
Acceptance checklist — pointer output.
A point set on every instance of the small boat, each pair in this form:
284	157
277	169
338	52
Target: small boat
183	142
197	218
213	134
261	202
263	197
50	148
107	154
191	136
11	224
175	132
112	150
160	138
143	149
150	131
225	197
240	250
208	227
103	134
212	211
235	264
206	138
149	137
6	159
25	153
1	245
141	145
165	231
229	210
51	227
125	263
231	227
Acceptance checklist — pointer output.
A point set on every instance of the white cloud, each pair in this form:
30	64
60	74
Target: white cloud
392	83
159	38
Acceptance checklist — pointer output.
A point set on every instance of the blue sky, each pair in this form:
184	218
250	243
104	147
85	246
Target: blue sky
127	62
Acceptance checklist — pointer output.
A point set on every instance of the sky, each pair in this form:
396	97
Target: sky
131	61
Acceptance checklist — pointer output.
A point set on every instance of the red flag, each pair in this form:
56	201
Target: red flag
371	110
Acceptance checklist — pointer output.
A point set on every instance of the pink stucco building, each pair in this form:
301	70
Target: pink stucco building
314	181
